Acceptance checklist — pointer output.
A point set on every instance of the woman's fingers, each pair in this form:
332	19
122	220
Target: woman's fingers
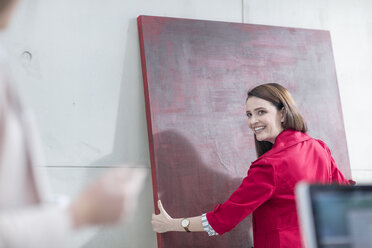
162	210
159	223
162	222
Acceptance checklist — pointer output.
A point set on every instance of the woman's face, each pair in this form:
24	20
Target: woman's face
264	119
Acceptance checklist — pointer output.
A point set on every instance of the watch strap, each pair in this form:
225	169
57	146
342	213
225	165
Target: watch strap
186	227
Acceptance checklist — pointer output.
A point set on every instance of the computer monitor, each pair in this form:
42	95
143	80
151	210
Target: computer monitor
335	216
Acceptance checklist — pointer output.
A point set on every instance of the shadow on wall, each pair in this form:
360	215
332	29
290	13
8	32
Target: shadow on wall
188	187
130	146
131	142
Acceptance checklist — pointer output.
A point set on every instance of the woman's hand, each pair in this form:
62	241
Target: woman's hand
163	222
108	199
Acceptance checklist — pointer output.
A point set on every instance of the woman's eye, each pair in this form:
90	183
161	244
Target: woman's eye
249	115
261	112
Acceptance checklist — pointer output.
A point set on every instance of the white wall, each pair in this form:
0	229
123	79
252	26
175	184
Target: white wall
84	82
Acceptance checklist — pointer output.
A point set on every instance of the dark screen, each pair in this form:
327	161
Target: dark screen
332	206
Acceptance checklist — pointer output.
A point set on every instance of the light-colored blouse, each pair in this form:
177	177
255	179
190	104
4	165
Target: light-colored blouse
25	219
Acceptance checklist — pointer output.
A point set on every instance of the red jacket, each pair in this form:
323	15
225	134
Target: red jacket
268	190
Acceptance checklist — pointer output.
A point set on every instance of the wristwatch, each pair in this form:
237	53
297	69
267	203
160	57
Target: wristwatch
185	223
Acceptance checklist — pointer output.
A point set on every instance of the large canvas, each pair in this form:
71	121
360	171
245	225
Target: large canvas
196	75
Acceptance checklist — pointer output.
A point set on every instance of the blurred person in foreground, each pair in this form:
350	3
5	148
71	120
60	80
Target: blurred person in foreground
26	220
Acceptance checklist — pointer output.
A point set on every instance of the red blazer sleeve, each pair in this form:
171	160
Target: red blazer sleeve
257	187
336	175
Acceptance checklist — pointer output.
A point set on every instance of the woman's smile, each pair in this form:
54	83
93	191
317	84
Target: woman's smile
258	129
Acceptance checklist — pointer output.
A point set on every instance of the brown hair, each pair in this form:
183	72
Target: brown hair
4	4
280	98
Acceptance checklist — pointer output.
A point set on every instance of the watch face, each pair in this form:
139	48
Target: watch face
185	223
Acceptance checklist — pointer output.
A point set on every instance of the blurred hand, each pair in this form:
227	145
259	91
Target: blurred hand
108	199
163	222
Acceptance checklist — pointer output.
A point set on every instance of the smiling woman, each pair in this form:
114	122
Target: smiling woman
264	119
286	156
276	99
